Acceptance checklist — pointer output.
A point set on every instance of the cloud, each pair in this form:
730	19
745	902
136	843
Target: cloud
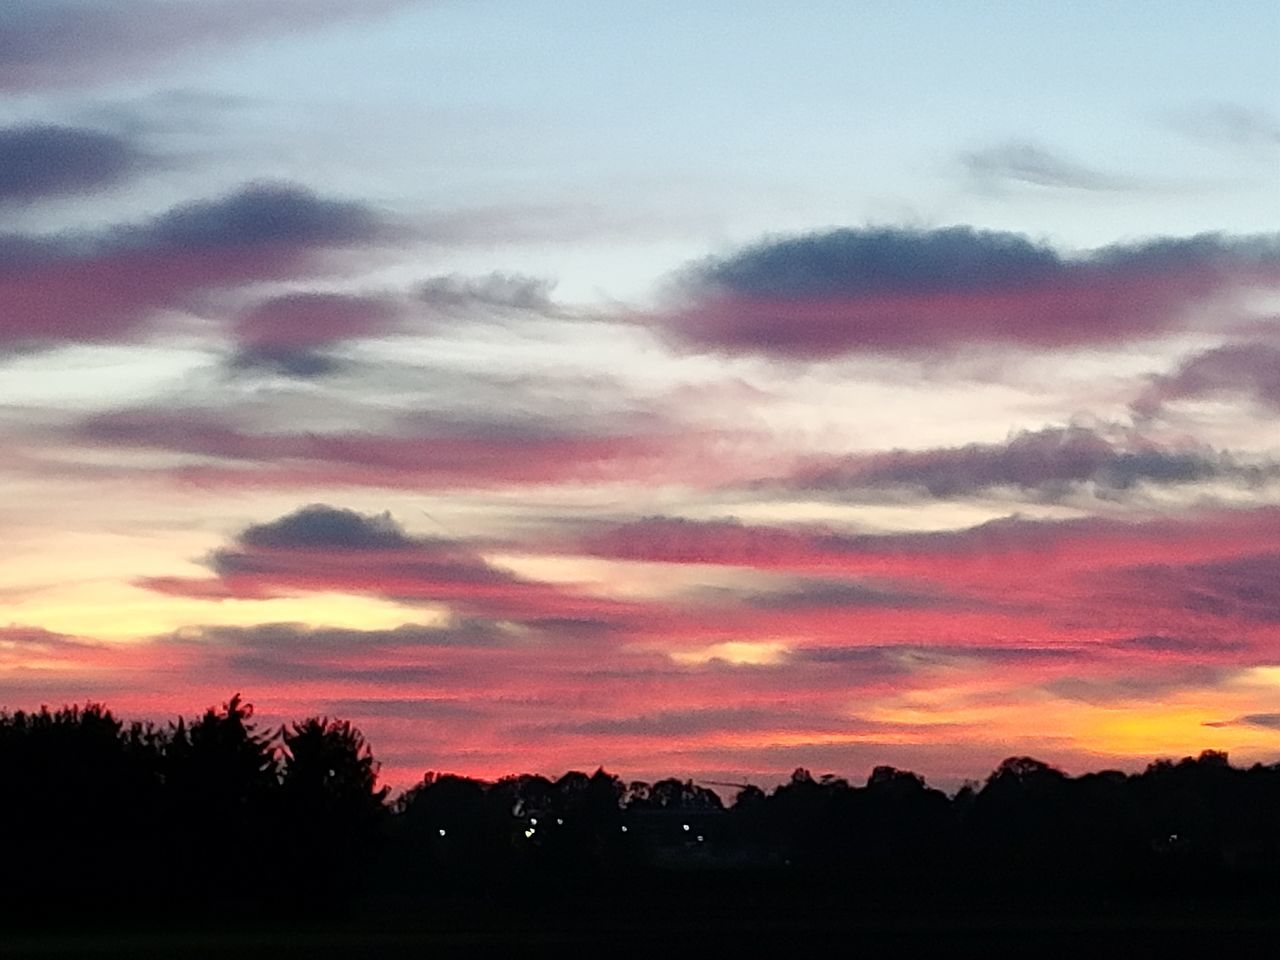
1201	587
1232	125
1241	588
319	547
59	43
496	292
1151	685
703	721
322	549
291	362
329	528
293	335
315	319
1049	462
900	291
419	452
40	161
1250	368
1267	721
837	594
1015	544
101	286
1029	163
1187	646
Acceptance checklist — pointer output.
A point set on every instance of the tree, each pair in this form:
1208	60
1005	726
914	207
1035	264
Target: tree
331	806
222	784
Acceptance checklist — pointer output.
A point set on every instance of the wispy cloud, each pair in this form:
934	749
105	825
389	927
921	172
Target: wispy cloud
1049	463
59	43
1029	164
1231	125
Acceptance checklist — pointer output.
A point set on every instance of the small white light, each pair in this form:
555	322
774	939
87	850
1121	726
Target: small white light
624	829
533	821
529	833
700	838
685	826
559	822
442	831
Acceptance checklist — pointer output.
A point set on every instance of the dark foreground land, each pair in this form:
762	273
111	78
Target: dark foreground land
212	839
711	924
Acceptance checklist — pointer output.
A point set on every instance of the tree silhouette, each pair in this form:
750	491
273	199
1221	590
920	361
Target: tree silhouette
330	805
221	783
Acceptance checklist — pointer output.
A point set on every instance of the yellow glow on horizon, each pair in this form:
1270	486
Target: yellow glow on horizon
742	652
120	612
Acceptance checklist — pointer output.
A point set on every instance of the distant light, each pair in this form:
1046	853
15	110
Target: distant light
533	821
528	834
700	838
559	822
685	826
624	829
442	831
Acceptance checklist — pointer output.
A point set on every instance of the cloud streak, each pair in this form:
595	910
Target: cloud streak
48	44
1050	463
103	286
1020	162
899	291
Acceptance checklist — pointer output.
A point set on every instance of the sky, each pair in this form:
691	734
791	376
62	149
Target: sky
690	389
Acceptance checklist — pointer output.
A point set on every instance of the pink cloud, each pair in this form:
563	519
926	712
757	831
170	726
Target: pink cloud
104	286
894	291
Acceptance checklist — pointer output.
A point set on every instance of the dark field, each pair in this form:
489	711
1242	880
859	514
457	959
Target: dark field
766	921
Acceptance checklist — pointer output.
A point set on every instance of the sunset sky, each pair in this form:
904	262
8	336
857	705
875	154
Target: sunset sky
705	388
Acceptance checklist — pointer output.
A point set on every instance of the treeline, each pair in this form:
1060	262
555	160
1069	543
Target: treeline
215	814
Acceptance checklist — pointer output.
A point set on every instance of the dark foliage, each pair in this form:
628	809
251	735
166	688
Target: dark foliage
213	815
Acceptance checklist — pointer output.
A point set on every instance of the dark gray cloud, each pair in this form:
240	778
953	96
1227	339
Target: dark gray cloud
881	261
297	363
323	549
259	215
1051	462
39	161
893	290
58	43
319	526
1030	163
817	594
